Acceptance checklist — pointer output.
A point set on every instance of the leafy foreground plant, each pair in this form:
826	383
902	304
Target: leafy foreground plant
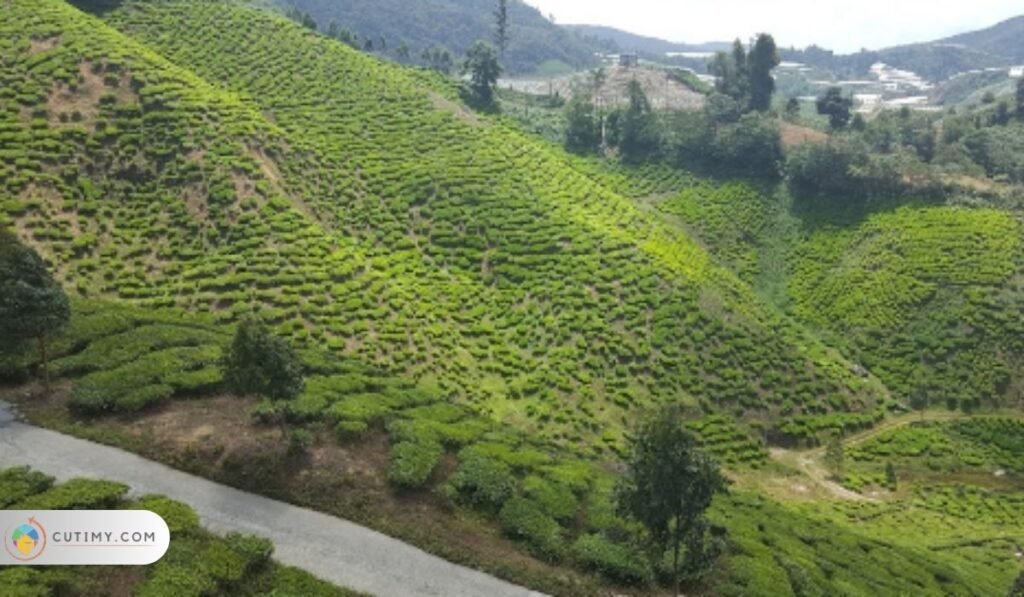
668	486
197	562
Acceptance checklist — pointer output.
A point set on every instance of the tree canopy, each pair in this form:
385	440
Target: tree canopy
33	305
481	64
668	486
836	106
259	363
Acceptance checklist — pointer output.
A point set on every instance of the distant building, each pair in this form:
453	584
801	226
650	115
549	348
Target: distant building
1017	72
629	60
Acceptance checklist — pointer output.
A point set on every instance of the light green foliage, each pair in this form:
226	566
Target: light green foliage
19	483
331	206
985	442
412	462
179	517
730	218
525	519
924	293
80	494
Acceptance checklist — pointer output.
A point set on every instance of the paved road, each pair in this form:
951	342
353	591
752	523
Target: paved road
331	548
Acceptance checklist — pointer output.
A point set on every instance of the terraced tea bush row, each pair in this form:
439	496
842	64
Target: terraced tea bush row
729	218
929	298
981	442
363	209
197	562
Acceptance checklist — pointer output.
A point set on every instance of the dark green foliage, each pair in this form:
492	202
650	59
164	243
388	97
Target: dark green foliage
1017	590
617	562
32	305
668	486
19	483
836	106
637	133
501	26
259	363
752	147
525	519
764	56
732	74
483	481
482	66
582	128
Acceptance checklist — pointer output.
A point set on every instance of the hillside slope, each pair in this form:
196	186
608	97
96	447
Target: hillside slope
1005	39
455	25
364	209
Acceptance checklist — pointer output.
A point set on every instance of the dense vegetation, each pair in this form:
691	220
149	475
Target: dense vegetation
197	562
353	229
493	313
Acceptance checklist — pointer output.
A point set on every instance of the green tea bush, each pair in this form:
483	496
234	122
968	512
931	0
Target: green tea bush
19	483
484	482
412	462
179	517
620	563
76	494
522	518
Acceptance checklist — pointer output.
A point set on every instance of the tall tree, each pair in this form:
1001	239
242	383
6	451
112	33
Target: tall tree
836	106
259	363
582	130
638	135
501	26
481	63
33	306
764	56
731	74
835	456
668	486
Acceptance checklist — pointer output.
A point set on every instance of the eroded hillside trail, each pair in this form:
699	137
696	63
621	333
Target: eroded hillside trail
810	462
331	548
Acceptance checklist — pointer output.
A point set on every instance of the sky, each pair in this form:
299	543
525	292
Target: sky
841	25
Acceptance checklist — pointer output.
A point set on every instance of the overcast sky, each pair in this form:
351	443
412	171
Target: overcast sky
842	25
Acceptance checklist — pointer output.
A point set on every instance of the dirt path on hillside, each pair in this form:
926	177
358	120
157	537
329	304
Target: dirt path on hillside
331	548
811	462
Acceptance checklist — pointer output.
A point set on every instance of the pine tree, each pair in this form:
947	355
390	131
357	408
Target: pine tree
764	56
501	36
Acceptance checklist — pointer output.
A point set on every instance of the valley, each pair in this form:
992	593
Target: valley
482	307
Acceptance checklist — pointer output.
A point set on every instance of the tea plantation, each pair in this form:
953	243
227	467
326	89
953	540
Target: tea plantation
930	298
196	563
491	314
363	209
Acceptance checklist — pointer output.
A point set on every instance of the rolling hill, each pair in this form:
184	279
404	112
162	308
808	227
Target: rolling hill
482	316
455	25
363	209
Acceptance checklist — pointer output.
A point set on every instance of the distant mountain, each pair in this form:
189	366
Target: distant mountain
1005	39
999	45
455	25
631	42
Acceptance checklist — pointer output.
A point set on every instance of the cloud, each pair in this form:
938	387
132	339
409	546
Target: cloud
845	25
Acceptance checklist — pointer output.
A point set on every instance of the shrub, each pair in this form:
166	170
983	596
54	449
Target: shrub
483	481
618	562
556	499
256	551
412	462
299	441
19	483
522	518
179	517
76	494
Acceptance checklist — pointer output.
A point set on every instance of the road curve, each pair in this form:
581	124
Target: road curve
331	548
